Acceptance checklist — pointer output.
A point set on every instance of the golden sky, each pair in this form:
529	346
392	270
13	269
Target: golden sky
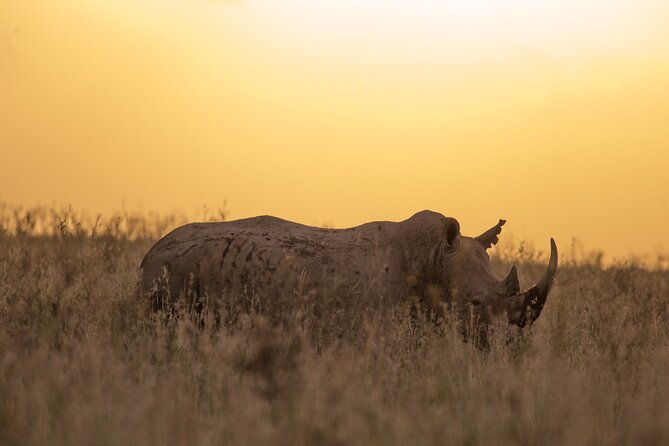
551	114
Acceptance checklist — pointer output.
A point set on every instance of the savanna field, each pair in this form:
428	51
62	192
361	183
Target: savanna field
84	360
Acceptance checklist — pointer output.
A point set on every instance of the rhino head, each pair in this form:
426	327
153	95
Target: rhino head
474	289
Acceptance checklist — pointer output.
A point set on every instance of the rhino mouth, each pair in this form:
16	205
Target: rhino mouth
525	307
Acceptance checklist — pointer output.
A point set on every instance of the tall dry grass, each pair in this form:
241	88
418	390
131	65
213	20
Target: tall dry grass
82	361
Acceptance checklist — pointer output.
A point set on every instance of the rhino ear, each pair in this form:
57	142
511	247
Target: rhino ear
450	232
489	238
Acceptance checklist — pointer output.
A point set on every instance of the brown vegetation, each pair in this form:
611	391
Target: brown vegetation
82	361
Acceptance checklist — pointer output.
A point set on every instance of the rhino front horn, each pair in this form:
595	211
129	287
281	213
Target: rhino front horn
526	307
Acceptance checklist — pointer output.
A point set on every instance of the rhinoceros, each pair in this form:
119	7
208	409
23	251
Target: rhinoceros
423	257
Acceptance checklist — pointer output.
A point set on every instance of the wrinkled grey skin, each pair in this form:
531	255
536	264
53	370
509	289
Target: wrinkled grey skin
424	256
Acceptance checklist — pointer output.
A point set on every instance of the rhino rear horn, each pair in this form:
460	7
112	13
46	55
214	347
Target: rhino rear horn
510	286
489	238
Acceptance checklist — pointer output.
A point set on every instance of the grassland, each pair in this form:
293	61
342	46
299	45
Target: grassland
83	362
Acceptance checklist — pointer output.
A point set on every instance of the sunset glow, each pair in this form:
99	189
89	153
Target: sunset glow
553	115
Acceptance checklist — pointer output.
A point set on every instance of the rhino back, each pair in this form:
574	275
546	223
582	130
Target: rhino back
268	251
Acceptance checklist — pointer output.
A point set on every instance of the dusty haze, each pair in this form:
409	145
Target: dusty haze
551	116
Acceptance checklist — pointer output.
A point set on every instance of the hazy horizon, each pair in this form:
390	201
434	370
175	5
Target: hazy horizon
553	117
